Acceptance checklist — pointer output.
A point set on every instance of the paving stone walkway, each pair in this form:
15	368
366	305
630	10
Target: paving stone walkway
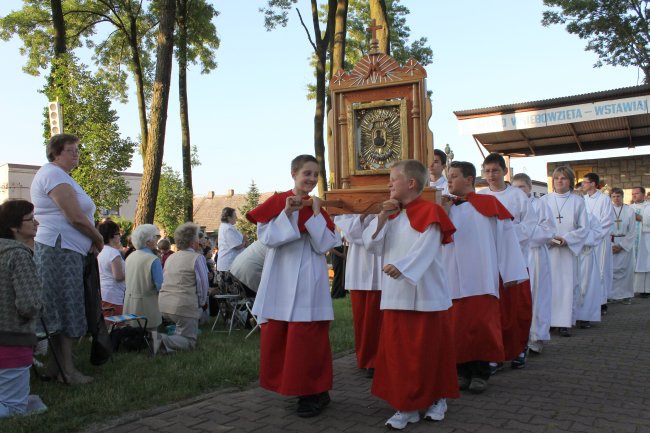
598	380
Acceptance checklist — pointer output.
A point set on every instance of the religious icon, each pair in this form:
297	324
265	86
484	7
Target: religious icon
378	136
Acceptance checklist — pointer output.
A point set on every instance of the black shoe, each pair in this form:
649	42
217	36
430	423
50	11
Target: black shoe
583	324
324	399
603	310
564	332
370	373
309	406
520	361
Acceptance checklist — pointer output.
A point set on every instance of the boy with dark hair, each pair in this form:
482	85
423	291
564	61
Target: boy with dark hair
485	251
516	302
436	178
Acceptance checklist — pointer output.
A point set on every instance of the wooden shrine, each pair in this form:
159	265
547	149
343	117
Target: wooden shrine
380	111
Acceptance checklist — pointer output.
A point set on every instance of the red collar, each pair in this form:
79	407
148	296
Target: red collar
276	203
488	205
422	214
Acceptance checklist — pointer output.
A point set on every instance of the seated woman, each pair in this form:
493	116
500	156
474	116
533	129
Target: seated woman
184	293
111	269
144	276
20	303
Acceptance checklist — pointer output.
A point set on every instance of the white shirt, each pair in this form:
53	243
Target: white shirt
52	222
441	183
423	284
247	267
229	239
483	249
295	286
112	290
518	204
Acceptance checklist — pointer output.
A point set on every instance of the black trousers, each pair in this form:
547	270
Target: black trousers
338	282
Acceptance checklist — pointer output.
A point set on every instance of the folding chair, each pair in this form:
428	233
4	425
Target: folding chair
125	318
249	307
232	303
48	336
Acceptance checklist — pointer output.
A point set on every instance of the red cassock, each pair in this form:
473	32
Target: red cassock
366	316
295	357
516	317
516	309
476	321
416	362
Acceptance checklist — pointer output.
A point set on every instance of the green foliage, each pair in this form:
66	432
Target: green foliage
617	31
87	113
248	229
126	228
202	38
276	13
169	204
357	43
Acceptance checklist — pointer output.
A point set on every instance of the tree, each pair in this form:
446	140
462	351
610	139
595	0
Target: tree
276	13
127	48
248	229
197	40
399	47
88	114
159	104
171	192
617	31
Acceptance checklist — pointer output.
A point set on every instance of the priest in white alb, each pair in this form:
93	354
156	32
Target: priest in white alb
641	240
571	233
622	248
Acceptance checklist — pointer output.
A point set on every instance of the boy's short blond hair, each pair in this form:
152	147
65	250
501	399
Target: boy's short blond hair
413	169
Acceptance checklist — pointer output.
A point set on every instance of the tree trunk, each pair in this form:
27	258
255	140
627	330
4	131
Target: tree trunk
155	146
379	14
58	24
340	30
139	85
322	44
182	99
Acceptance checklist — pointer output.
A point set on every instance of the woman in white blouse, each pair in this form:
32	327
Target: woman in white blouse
231	242
111	269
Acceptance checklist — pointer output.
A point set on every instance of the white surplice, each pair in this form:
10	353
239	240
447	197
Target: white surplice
638	210
525	217
295	286
362	268
588	299
642	268
623	236
423	285
539	266
570	215
483	249
600	205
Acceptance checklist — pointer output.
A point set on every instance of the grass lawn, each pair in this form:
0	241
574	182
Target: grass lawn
134	381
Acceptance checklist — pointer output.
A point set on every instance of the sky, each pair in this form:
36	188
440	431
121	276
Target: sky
250	116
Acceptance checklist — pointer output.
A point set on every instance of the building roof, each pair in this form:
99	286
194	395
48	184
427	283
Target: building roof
207	208
593	121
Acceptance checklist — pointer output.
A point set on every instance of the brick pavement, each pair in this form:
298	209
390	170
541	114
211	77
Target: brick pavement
596	381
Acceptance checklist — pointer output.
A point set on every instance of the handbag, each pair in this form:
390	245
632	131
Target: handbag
101	348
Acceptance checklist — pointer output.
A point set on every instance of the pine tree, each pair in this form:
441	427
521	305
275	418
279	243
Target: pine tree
248	229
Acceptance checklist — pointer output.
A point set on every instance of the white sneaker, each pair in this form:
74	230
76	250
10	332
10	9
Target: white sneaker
401	419
436	411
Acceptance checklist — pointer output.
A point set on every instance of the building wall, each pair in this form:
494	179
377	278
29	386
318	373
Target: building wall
623	172
16	180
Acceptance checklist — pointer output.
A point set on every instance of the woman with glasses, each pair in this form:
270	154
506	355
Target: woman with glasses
65	236
111	269
20	303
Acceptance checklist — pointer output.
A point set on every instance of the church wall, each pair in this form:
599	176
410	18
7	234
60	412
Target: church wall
623	172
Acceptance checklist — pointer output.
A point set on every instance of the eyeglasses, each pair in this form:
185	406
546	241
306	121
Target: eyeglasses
72	151
32	219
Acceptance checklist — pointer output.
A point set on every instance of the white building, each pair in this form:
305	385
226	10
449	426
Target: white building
16	180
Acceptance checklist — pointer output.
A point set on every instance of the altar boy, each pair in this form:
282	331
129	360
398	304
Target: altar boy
415	362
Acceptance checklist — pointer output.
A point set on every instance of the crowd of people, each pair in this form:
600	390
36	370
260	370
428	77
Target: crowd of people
442	297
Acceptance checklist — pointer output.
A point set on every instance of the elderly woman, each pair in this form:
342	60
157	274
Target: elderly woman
111	269
65	235
20	304
184	293
231	243
144	276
